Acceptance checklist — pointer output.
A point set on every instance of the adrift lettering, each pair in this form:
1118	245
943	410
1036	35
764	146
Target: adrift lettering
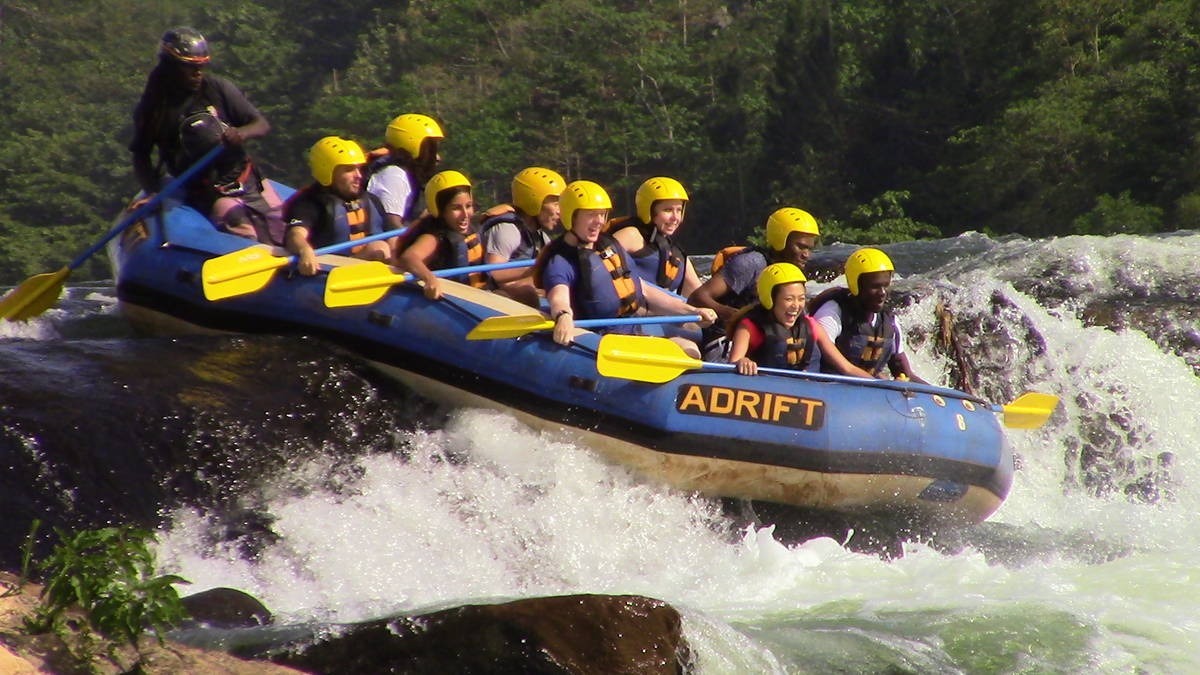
757	406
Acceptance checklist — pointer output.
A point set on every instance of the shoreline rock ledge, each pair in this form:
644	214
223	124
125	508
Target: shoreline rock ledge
561	634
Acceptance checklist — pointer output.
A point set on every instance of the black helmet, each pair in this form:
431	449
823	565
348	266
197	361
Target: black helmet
199	133
184	44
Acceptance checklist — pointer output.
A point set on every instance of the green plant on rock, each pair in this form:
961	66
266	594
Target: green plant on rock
108	573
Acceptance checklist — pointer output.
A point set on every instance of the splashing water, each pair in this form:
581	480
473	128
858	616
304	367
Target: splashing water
1087	567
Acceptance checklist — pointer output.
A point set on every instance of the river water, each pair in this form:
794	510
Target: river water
287	469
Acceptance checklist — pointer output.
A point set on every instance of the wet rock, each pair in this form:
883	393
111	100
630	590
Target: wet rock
226	608
568	634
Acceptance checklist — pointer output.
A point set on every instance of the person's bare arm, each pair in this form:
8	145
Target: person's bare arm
662	302
306	258
415	260
708	292
559	298
899	365
630	239
738	349
143	170
257	128
504	277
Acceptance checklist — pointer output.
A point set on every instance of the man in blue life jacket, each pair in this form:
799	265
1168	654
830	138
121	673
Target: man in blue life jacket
791	237
335	208
521	229
184	111
866	333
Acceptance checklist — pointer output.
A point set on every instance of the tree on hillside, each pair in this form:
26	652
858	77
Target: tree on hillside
1038	118
805	123
70	77
1118	131
608	91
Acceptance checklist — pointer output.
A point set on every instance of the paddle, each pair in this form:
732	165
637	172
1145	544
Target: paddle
251	268
365	283
39	292
1029	410
501	327
658	360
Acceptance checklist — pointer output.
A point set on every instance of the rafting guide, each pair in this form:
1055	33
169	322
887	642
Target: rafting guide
184	112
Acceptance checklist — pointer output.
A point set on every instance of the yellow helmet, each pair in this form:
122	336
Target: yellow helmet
655	189
442	180
408	131
775	275
331	152
786	221
532	185
581	194
864	261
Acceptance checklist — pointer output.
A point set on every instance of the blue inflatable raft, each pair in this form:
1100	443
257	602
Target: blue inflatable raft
933	455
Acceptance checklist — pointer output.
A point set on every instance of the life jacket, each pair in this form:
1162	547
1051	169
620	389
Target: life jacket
660	261
413	207
793	348
749	294
454	249
865	343
341	220
532	243
605	287
723	255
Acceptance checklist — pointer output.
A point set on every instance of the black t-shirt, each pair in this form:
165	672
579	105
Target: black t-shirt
312	208
157	117
307	209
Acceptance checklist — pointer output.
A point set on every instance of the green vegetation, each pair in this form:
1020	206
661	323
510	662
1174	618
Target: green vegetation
886	119
108	574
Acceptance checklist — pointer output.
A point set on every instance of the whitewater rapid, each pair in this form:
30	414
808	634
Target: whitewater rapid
1068	576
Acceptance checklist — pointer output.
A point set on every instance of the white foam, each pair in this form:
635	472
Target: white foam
490	510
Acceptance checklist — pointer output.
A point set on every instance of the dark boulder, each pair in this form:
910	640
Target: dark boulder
226	608
567	634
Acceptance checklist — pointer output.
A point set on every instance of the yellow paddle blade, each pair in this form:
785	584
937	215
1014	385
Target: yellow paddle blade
1030	410
34	296
642	358
360	284
502	327
240	272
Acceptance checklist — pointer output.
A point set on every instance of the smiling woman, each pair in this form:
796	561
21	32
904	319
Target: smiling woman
778	333
649	236
446	237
